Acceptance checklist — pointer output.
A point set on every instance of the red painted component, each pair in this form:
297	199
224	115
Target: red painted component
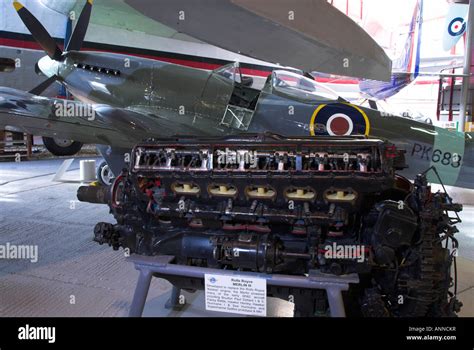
340	126
391	152
440	94
452	81
114	191
187	63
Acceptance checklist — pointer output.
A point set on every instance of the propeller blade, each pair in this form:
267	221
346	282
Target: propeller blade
77	38
43	86
40	34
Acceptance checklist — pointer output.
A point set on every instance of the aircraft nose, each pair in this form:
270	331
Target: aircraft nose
48	66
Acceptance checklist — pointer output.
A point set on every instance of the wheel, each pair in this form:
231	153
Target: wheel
104	174
61	147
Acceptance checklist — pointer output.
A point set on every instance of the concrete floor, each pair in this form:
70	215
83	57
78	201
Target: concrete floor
76	277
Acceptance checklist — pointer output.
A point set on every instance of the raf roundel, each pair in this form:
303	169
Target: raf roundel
339	119
457	26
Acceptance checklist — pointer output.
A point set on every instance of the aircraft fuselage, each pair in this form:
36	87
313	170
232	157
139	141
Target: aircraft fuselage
194	101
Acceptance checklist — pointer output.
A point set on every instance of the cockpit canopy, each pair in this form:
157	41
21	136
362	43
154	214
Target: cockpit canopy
233	72
230	71
299	87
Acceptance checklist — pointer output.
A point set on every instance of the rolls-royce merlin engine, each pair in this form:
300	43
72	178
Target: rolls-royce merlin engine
269	204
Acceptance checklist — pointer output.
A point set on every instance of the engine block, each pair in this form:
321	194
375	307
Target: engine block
270	204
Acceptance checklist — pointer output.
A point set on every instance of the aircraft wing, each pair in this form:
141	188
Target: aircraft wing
307	34
24	112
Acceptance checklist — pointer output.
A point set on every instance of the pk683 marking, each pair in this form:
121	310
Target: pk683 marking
437	155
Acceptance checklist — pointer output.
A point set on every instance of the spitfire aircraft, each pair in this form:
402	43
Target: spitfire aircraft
129	99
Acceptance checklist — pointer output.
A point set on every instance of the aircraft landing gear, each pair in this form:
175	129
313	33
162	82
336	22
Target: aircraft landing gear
62	147
104	174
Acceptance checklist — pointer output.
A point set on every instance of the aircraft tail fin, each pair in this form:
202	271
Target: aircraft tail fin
455	25
409	60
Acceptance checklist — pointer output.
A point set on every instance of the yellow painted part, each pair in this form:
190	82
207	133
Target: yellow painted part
222	191
17	5
90	1
341	196
313	118
315	114
186	188
301	194
261	192
367	120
